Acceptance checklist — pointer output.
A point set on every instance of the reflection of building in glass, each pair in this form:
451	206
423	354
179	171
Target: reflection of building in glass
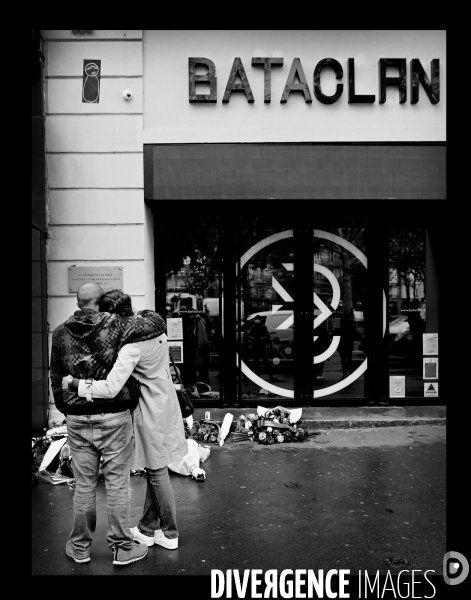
404	292
258	291
332	261
193	280
407	258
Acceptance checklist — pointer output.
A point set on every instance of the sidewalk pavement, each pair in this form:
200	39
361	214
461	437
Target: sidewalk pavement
341	417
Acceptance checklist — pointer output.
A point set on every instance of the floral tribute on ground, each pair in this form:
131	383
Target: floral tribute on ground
206	431
272	426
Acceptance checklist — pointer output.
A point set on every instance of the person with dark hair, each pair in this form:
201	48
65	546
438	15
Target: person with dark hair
86	346
259	337
117	302
321	344
159	436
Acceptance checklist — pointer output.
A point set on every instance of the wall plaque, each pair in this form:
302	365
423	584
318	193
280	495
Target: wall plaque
109	278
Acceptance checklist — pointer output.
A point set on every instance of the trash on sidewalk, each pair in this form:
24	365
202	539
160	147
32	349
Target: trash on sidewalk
293	484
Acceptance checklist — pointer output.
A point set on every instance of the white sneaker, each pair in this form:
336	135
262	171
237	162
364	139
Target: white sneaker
161	540
140	537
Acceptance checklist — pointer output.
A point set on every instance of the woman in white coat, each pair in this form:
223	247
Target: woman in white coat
159	436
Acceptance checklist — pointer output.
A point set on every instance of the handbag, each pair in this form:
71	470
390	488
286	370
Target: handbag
186	405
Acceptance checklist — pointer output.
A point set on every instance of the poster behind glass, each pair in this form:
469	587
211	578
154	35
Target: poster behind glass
407	312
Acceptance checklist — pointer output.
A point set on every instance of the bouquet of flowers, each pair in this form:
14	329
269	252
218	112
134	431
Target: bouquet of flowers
39	445
206	431
271	426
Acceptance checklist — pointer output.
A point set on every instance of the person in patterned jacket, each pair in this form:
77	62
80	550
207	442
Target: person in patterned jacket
159	435
87	345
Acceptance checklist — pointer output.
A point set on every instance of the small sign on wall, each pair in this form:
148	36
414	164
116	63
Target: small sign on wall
430	368
91	81
397	386
176	351
431	390
430	343
175	329
109	278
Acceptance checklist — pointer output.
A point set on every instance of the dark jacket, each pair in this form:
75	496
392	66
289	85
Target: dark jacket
347	332
258	335
86	346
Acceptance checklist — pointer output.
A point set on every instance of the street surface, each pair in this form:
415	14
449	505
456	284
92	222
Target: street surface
356	498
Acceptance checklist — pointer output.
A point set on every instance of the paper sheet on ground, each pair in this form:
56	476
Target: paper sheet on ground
190	463
225	427
51	453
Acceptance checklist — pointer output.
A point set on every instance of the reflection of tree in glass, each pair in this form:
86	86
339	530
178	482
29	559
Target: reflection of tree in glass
198	273
346	261
257	289
192	253
407	257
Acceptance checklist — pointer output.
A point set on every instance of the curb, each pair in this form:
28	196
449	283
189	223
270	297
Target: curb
363	424
371	423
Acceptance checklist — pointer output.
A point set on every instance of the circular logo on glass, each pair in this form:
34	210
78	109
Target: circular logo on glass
323	312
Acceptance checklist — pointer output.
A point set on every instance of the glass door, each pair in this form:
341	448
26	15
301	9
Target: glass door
339	352
312	281
265	337
188	254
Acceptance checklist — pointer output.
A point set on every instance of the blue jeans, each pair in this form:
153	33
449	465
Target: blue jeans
90	437
159	508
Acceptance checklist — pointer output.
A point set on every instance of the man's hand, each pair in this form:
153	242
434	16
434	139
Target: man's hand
65	382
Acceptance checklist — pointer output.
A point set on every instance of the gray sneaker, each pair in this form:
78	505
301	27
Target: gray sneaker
70	552
124	557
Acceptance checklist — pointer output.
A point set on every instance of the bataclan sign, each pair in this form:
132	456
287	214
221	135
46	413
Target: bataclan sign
417	75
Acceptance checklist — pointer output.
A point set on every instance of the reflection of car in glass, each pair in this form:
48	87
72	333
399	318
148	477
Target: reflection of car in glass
399	328
188	300
286	336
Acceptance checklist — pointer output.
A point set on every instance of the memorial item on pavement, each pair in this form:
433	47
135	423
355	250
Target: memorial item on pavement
271	426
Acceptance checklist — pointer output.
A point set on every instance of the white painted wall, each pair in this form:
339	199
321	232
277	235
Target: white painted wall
169	117
94	155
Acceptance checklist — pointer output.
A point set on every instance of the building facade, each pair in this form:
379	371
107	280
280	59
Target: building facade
153	141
